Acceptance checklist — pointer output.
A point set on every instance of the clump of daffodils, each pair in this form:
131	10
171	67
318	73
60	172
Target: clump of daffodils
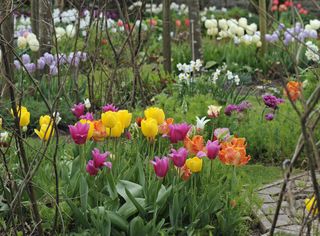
187	69
223	73
312	52
238	30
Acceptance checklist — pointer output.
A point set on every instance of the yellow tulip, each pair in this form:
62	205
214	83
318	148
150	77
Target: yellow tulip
24	116
149	128
155	113
109	119
311	205
44	120
125	118
116	131
194	164
45	132
91	128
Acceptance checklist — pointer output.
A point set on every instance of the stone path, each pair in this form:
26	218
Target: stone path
292	213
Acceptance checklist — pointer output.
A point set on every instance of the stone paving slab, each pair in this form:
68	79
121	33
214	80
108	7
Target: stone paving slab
292	208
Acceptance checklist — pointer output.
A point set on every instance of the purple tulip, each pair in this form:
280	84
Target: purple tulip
25	58
269	116
79	132
179	156
87	116
272	101
178	132
109	107
229	109
161	166
99	159
213	149
78	110
31	67
91	169
243	106
41	63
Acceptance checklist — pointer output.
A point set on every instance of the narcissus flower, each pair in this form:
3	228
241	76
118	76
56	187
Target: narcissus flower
179	156
311	205
125	118
213	149
79	132
234	152
109	119
178	132
23	115
194	164
161	166
155	113
294	89
194	145
149	128
46	131
78	109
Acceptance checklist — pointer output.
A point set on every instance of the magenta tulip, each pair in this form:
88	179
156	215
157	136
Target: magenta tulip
78	110
79	132
161	166
178	132
87	116
109	107
99	159
213	149
179	156
91	169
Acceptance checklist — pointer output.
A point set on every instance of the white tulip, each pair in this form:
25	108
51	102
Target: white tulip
223	24
243	22
71	31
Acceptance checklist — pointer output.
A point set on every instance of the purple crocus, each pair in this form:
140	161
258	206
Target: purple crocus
41	63
17	64
179	156
99	159
87	116
25	58
161	166
79	132
269	116
78	110
109	107
30	67
178	132
272	101
213	149
49	59
53	70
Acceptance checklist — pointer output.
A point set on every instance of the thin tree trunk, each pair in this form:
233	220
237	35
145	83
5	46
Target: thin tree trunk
45	26
195	29
166	36
35	17
263	25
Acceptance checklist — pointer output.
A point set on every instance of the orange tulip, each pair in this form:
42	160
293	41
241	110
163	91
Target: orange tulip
185	173
164	128
234	152
294	89
99	132
194	145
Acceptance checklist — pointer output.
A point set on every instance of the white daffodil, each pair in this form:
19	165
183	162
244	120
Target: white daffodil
201	123
87	103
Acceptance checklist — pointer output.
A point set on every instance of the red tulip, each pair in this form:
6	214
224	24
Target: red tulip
178	23
187	22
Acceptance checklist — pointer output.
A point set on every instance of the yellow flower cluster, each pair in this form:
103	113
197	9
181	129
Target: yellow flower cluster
150	125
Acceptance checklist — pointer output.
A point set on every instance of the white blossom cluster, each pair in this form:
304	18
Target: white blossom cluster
187	69
238	30
312	52
28	40
224	72
180	9
313	25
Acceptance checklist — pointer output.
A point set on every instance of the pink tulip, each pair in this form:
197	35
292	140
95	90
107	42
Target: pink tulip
109	107
78	110
178	132
79	132
161	166
179	156
91	169
213	149
99	159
